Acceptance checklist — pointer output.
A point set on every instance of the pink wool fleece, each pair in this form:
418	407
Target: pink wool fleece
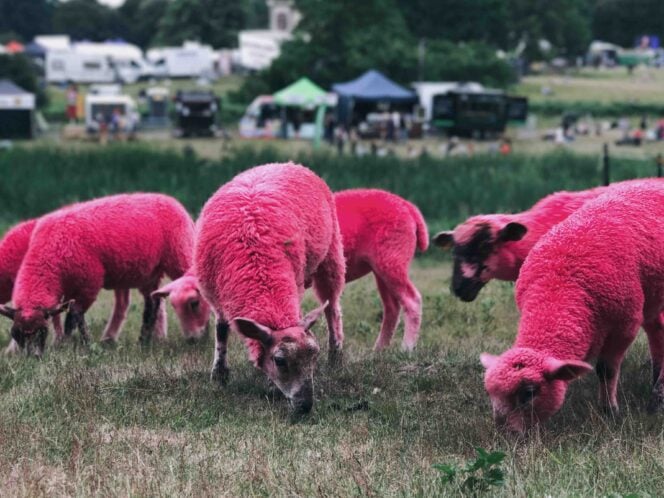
13	247
118	242
381	232
583	292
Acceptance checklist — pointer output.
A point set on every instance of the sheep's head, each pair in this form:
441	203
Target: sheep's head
526	386
30	326
288	356
476	246
190	306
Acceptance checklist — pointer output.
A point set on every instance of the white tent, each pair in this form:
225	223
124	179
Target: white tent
17	111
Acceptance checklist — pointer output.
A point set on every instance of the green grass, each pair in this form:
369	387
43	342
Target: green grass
148	422
37	180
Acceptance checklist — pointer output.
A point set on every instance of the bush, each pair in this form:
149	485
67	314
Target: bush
608	109
38	180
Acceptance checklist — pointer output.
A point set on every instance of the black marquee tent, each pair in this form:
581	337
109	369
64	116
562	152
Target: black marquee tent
17	111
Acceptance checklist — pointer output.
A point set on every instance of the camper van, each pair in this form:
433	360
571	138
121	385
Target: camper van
192	60
88	62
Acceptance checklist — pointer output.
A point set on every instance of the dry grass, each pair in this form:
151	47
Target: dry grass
131	422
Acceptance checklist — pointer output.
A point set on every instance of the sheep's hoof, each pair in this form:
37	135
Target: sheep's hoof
108	342
611	410
220	375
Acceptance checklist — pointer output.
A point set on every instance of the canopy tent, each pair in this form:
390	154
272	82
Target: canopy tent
14	47
373	86
370	89
17	109
305	94
34	49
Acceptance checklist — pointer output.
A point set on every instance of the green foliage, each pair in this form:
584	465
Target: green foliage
461	186
142	18
24	19
623	21
88	20
608	109
481	474
208	21
20	70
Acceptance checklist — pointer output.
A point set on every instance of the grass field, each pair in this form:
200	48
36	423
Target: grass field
148	422
134	422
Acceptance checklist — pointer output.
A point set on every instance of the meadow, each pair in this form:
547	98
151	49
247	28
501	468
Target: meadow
148	422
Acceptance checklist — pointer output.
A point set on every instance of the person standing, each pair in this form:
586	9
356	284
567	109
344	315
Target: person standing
72	103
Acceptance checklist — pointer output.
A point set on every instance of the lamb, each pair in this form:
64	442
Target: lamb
13	247
584	291
263	238
118	242
492	246
380	233
192	309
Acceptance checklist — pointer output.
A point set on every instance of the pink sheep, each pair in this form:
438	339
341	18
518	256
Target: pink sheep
492	246
192	309
119	242
13	247
583	293
263	238
380	233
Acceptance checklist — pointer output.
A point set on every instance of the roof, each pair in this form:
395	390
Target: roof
9	88
302	93
373	86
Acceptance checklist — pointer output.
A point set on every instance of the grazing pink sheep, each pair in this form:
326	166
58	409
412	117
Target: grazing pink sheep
262	238
192	309
492	246
583	293
380	233
13	247
119	242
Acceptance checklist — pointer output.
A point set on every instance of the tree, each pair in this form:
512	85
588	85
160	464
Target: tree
209	21
88	20
26	18
19	69
622	21
142	18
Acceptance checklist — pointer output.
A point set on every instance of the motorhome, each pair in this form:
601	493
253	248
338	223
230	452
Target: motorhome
192	60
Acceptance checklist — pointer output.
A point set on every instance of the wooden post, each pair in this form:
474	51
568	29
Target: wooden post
607	165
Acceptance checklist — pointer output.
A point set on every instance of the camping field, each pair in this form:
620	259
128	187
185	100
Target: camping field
131	421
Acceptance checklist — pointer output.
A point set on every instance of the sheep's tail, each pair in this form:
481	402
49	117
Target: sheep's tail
421	227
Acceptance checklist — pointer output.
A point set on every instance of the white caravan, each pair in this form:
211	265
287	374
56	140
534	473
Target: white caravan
191	60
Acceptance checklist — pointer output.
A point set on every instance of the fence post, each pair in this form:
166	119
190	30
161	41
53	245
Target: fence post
659	160
607	165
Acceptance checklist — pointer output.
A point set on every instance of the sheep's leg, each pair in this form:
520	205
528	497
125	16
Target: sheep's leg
149	318
161	323
608	367
70	323
118	316
57	329
391	311
220	364
83	328
12	347
395	278
655	332
328	286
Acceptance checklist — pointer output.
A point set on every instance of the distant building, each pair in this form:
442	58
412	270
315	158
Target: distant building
258	48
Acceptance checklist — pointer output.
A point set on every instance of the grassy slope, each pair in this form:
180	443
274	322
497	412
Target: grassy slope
148	423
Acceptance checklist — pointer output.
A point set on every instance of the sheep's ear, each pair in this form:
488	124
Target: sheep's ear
310	318
252	330
60	308
7	311
512	232
488	360
567	370
444	240
164	291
